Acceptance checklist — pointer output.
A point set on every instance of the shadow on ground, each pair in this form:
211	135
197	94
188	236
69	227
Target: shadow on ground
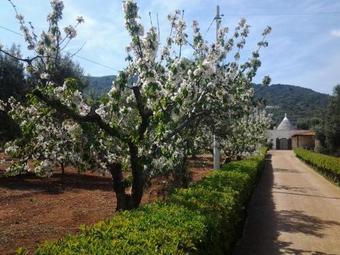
264	224
54	185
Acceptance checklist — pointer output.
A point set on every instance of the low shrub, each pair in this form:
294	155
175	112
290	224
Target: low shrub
203	219
327	165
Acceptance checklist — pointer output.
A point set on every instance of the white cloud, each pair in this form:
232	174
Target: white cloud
335	33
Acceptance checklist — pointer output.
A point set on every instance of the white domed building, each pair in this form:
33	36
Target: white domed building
286	137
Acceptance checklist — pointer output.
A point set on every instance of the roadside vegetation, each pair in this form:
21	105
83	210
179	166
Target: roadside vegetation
203	219
326	165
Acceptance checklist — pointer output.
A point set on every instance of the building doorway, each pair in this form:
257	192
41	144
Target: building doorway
283	144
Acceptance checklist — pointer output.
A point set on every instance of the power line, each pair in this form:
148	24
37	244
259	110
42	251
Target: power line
96	63
212	21
273	14
76	55
10	30
283	14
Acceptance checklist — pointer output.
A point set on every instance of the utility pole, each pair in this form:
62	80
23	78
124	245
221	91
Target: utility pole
216	149
217	157
218	20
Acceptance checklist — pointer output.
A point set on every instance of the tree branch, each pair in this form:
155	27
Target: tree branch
92	117
27	60
144	113
187	121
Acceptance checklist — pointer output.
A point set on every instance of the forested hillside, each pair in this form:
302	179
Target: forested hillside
99	84
300	104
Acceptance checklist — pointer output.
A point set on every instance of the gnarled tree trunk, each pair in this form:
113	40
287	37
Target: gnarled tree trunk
119	186
128	201
138	178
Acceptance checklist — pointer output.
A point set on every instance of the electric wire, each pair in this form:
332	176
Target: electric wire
76	55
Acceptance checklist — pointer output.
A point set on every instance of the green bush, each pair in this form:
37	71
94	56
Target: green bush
203	219
327	165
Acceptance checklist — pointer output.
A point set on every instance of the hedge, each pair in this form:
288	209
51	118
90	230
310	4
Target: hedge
326	165
203	219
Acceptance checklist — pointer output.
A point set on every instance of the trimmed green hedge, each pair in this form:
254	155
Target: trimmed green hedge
327	165
203	219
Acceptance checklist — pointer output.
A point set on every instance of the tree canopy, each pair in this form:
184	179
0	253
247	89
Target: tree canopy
332	123
12	84
160	108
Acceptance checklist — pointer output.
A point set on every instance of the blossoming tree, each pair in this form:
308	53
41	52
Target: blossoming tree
149	121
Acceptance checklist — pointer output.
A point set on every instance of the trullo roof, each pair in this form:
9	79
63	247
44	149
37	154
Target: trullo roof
285	124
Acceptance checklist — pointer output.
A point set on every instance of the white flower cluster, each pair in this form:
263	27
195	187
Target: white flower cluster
70	31
49	45
72	98
2	105
48	142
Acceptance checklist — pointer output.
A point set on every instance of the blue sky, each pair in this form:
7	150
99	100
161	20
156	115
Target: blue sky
304	46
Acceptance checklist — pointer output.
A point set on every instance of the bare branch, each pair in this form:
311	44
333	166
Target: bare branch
27	60
76	52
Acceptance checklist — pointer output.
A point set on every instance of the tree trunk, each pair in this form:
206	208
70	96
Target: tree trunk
62	169
226	160
181	175
127	201
62	174
138	180
118	186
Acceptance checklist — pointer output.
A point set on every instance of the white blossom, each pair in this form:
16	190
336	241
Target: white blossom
80	19
45	76
70	31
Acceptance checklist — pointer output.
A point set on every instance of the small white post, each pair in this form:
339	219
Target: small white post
217	157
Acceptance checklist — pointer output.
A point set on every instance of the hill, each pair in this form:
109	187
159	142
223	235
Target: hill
99	85
300	104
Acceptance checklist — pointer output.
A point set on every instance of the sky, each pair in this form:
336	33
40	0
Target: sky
304	46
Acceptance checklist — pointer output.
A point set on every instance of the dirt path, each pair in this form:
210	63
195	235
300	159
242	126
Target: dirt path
294	210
